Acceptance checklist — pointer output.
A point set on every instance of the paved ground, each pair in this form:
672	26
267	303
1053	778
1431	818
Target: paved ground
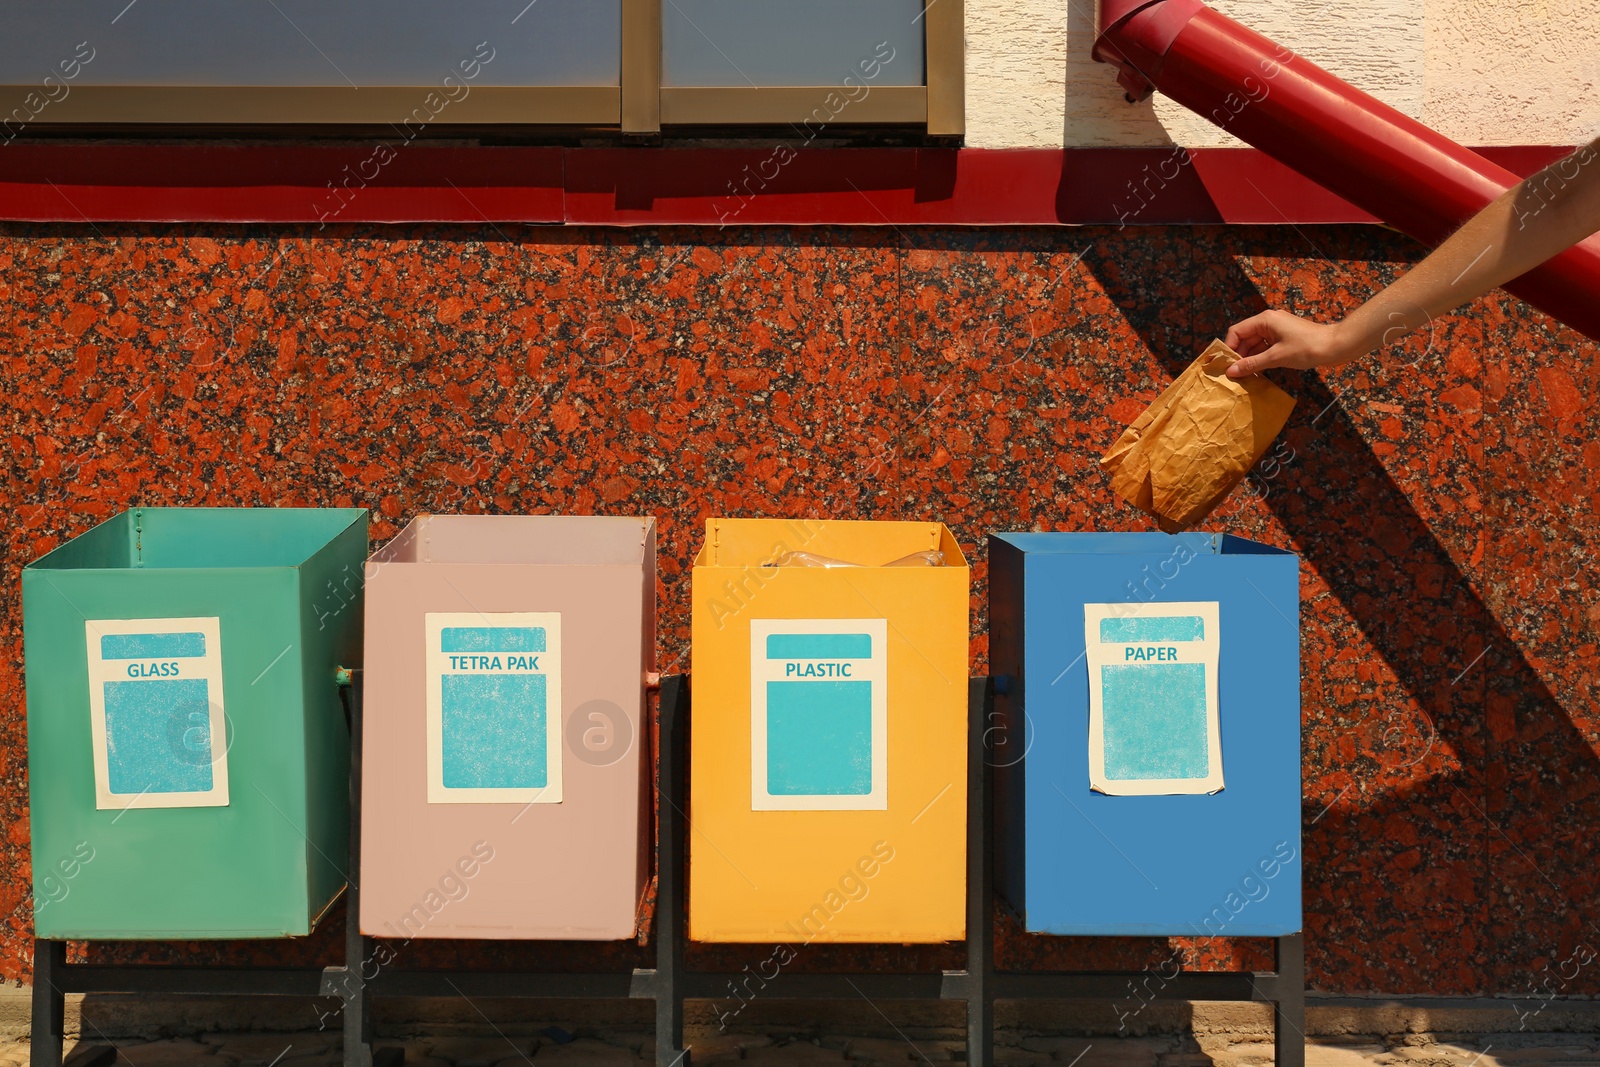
626	1050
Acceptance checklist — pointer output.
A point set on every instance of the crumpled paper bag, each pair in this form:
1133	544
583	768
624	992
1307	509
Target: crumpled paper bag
1187	451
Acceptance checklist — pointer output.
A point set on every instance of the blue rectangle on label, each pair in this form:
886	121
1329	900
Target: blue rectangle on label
493	729
819	646
1155	629
819	738
1155	721
158	736
492	639
152	646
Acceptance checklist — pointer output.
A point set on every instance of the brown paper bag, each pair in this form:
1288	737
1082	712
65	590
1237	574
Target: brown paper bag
1184	455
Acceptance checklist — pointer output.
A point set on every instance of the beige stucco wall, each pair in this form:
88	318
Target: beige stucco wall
1481	71
1513	71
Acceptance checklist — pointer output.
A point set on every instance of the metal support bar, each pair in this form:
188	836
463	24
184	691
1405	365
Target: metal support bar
620	985
354	988
49	1003
1289	1005
671	872
176	980
980	874
1186	985
929	985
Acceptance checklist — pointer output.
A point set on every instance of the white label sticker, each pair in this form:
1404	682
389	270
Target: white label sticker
819	714
1153	720
156	713
494	707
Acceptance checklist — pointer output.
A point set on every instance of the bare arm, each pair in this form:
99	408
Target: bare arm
1532	221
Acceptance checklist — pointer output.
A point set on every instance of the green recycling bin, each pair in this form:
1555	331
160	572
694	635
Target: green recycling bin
188	752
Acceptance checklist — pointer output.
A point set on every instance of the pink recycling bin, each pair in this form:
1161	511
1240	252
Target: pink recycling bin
503	763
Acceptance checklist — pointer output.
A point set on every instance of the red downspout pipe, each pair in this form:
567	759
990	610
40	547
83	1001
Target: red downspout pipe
1384	162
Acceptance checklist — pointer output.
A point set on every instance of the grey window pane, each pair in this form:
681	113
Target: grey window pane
791	42
312	42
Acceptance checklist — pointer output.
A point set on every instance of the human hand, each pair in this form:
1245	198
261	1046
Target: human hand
1279	339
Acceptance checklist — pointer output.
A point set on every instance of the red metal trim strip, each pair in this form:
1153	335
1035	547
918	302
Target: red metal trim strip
784	184
378	181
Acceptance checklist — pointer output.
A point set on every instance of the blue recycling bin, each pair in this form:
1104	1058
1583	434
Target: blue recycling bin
1146	742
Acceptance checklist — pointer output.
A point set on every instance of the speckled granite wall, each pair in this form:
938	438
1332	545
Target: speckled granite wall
1442	502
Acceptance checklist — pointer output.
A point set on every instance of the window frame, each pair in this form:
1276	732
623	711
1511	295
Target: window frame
938	105
640	105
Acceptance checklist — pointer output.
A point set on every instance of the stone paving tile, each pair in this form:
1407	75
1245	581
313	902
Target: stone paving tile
482	1051
331	1057
586	1052
85	1051
643	1044
257	1050
793	1055
1342	1054
424	1060
1251	1052
715	1048
879	1049
1184	1058
1562	1049
1431	1054
416	1050
1104	1051
173	1052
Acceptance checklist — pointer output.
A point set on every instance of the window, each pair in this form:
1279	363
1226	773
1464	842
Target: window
631	65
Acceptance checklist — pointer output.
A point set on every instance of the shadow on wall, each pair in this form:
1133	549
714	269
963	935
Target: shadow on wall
1095	110
1448	790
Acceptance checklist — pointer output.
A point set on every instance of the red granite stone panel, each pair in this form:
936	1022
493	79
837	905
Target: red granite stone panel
1442	501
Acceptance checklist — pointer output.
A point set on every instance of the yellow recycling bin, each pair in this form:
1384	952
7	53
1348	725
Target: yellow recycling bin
828	738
